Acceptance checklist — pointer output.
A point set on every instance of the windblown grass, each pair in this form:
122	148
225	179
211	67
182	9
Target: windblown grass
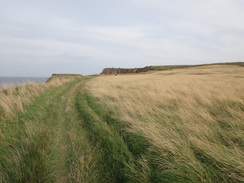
193	119
15	99
33	147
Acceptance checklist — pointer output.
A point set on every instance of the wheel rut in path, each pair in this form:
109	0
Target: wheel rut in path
34	148
64	136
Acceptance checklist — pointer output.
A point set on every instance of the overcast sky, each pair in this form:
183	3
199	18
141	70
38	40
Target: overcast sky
41	37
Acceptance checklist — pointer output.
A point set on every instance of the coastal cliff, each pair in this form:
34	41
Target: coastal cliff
111	71
54	76
115	71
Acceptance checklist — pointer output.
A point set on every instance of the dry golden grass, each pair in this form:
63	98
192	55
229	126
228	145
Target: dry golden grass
194	117
15	99
34	147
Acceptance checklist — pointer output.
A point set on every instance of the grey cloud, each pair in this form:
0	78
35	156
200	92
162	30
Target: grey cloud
90	35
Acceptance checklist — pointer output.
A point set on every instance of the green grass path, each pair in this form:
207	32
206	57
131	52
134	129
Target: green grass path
64	136
34	148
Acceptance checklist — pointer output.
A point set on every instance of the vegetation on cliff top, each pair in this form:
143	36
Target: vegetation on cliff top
113	71
183	125
193	119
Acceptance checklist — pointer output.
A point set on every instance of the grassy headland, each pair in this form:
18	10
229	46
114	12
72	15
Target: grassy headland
113	71
193	119
183	125
15	99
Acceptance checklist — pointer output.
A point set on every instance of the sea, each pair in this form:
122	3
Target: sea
15	81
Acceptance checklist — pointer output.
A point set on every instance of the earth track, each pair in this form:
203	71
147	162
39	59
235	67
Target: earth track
31	153
64	136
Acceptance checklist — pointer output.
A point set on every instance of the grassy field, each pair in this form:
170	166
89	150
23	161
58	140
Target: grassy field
15	99
183	125
193	120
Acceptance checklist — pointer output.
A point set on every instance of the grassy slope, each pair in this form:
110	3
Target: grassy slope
27	153
34	147
192	118
138	132
119	163
161	68
64	136
170	67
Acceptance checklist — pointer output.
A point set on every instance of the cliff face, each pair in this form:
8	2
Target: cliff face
63	76
114	71
111	71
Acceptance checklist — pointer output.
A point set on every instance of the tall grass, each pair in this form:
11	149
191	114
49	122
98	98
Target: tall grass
32	143
193	119
15	99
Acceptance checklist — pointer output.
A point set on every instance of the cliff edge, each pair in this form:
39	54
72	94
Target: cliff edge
54	76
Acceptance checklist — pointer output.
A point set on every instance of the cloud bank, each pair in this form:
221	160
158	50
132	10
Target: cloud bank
41	37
